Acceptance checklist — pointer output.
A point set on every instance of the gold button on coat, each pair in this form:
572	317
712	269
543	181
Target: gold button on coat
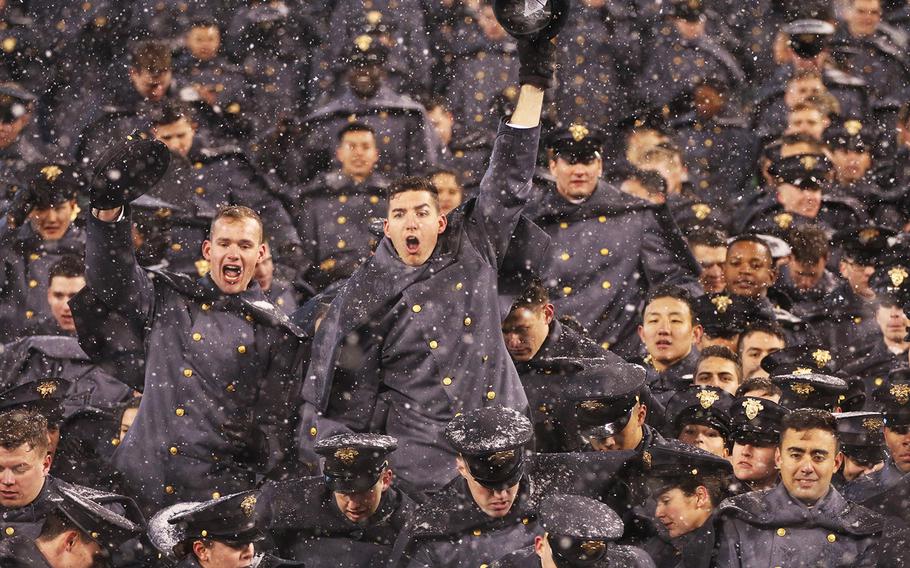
180	412
447	381
197	336
172	450
434	344
781	532
241	349
416	308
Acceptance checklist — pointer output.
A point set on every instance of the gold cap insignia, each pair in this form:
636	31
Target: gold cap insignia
707	398
593	548
591	405
822	357
801	371
646	458
867	235
248	505
503	457
901	393
51	173
9	44
363	42
802	389
721	303
752	408
579	132
346	455
46	389
853	127
701	211
897	275
374	17
783	220
808	162
873	424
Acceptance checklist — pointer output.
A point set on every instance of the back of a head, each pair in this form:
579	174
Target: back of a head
808	244
151	56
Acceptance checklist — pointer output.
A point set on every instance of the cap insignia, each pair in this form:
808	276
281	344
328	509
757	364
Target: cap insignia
901	393
579	132
363	42
646	459
51	173
503	457
721	303
822	357
591	405
808	162
701	211
801	371
802	389
752	408
707	398
346	455
46	388
867	235
853	127
374	17
873	424
248	505
783	220
898	274
592	548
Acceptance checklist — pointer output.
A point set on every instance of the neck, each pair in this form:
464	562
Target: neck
358	179
46	548
896	347
662	366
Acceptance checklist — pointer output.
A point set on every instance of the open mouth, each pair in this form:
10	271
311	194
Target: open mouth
412	244
232	273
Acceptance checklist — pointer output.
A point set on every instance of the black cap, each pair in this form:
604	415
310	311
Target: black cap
690	10
231	519
891	279
127	170
579	529
850	134
577	143
811	390
673	459
14	102
99	523
43	397
861	436
894	397
354	462
805	171
864	244
604	396
800	359
699	404
366	50
725	315
808	37
531	21
52	183
756	421
491	441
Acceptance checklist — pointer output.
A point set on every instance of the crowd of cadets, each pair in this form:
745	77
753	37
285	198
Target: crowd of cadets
673	334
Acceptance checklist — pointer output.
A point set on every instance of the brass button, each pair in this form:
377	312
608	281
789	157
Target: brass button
204	533
95	535
231	388
563	225
341	244
468	321
606	285
176	247
197	336
206	307
180	412
434	344
565	256
241	349
29	314
172	450
491	395
10	531
200	191
459	286
32	283
187	373
566	290
602	219
525	521
857	319
604	251
313	431
447	381
115	442
879	381
374	200
832	537
169	489
342	198
781	532
605	344
216	495
248	317
476	532
34	256
342	220
416	308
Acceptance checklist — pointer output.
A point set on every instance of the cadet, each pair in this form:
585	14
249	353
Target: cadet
278	290
220	361
862	443
580	532
756	342
78	532
609	248
700	416
437	281
349	516
724	317
47	200
709	247
333	212
20	141
804	281
852	144
64	280
809	389
755	434
718	367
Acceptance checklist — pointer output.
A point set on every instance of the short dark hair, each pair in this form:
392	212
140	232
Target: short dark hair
18	427
763	384
752	238
238	213
69	266
653	182
717	485
534	295
169	112
152	56
413	183
56	523
768	327
355	127
706	237
675	292
808	244
436	101
804	419
721	352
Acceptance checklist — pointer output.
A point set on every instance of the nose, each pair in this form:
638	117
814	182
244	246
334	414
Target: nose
747	450
248	551
7	478
512	340
868	270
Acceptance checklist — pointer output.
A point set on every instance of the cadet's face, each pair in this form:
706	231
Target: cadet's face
9	131
753	463
61	289
863	17
414	225
576	181
807	121
450	193
443	122
495	504
358	154
753	348
359	507
628	438
897	438
203	42
366	80
892	322
265	269
857	275
690	30
718	372
177	136
234	249
667	330
800	90
525	330
704	437
711	260
80	551
805	275
853	469
152	86
220	555
126	420
850	164
22	473
748	269
52	223
805	202
681	513
807	460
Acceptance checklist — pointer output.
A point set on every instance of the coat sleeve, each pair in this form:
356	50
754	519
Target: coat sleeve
728	553
506	186
665	257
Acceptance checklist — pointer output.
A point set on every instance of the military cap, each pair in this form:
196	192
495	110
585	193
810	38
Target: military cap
699	404
811	390
231	519
891	279
690	10
14	102
756	421
604	396
127	170
861	436
894	397
672	458
491	441
579	529
800	359
805	171
163	535
850	134
541	19
577	143
51	183
808	37
779	247
43	397
726	315
99	523
267	13
864	244
354	462
366	50
376	25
